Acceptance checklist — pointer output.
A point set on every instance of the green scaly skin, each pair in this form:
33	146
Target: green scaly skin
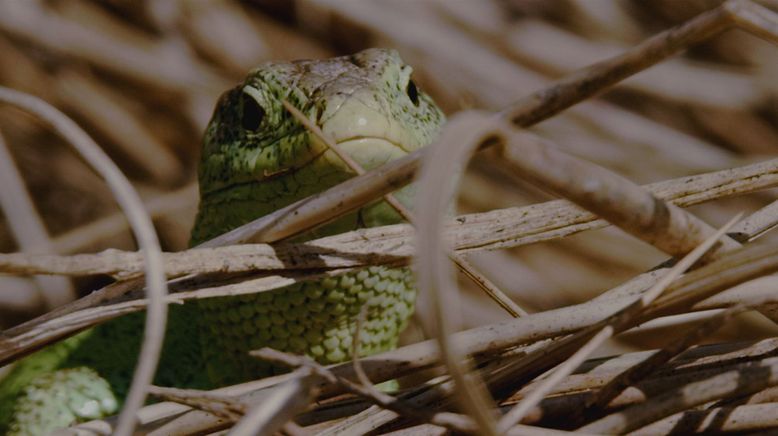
256	159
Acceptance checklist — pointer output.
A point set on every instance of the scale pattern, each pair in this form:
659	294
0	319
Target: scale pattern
317	319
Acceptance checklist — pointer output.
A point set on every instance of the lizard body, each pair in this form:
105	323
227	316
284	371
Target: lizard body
256	158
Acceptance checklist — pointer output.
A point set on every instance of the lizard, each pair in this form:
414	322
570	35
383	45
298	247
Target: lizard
256	158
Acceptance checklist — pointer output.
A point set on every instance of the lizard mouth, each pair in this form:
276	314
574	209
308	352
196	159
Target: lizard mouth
373	139
371	151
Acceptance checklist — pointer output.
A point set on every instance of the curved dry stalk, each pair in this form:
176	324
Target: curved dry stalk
448	156
130	202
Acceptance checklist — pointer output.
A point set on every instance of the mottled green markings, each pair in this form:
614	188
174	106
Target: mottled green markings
256	158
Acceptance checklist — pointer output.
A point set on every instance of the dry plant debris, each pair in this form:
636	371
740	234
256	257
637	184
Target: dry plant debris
142	78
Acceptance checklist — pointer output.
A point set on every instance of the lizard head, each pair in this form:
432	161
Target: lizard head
367	103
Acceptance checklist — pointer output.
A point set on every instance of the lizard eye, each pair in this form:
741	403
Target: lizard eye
251	113
413	92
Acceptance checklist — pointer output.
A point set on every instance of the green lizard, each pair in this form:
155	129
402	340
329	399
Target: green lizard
256	158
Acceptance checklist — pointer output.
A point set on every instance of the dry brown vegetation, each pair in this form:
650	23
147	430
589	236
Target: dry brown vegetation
631	112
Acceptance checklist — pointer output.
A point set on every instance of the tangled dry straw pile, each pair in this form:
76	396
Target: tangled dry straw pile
596	327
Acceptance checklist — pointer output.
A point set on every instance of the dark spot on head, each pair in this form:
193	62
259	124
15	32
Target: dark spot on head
251	113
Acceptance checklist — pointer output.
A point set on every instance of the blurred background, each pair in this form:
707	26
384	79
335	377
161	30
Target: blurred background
142	78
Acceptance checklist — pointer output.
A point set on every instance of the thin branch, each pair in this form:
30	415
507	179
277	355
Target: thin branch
615	198
223	406
757	224
590	81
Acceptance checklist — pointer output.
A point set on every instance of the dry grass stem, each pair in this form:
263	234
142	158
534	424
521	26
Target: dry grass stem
694	83
448	156
757	224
